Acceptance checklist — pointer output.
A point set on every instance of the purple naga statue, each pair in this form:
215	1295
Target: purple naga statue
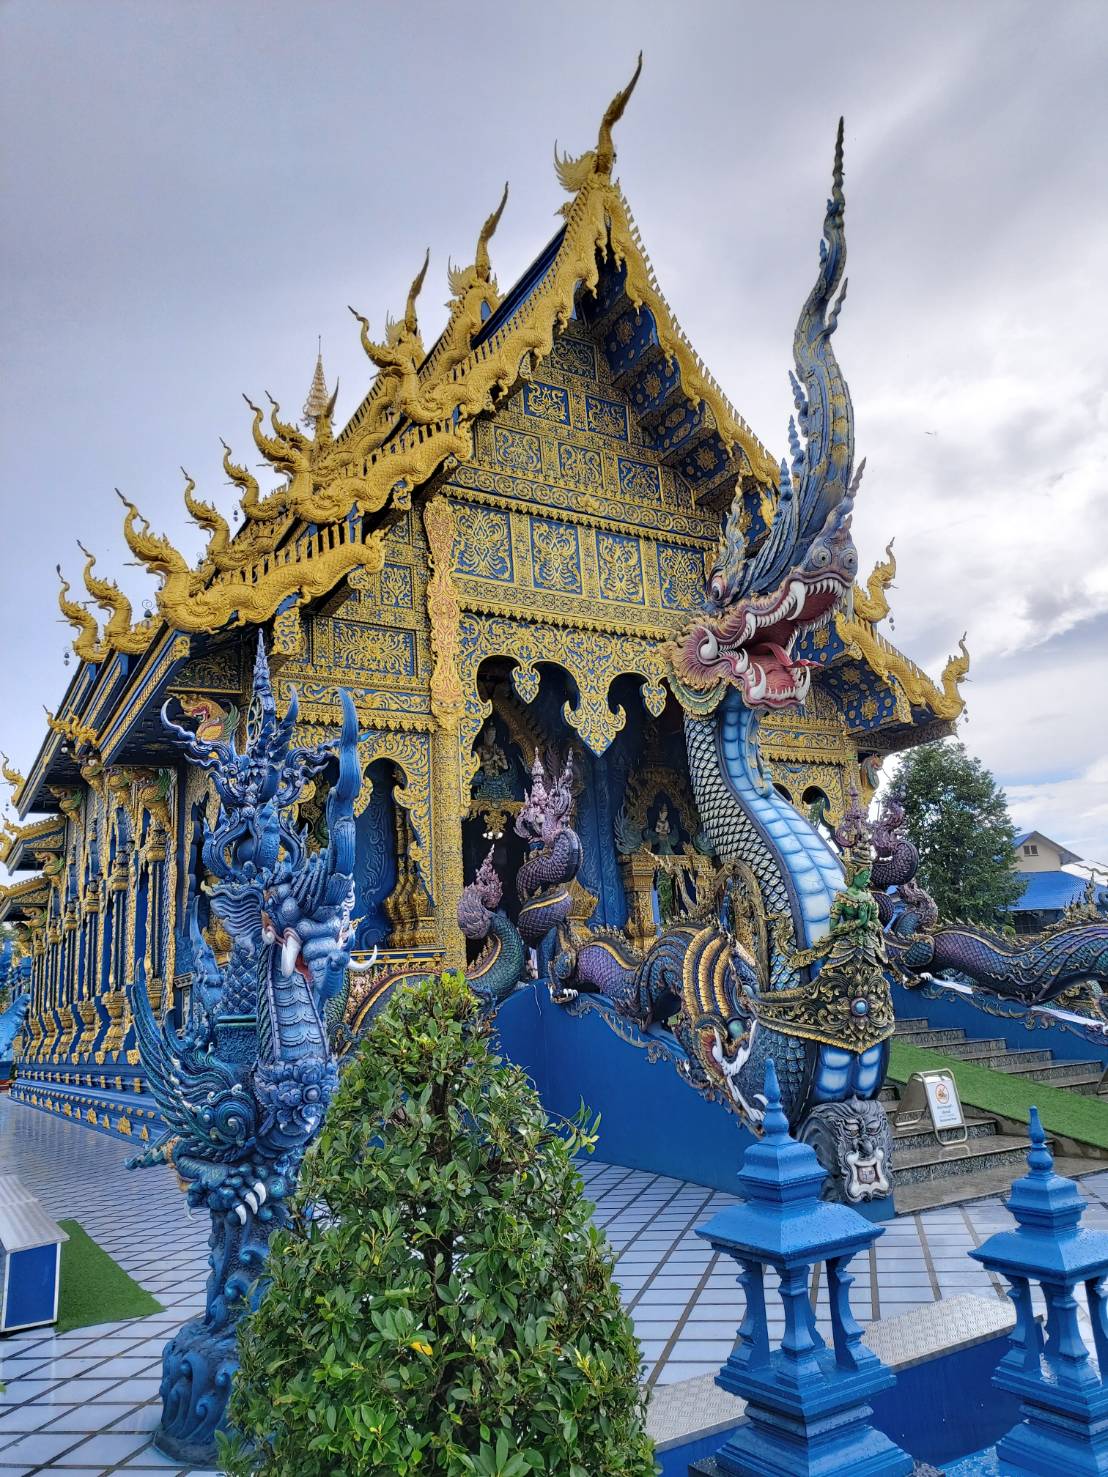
1032	971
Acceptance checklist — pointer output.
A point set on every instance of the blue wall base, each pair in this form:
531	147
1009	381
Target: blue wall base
650	1118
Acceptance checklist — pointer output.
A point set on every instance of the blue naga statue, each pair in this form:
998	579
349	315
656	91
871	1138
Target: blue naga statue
245	1086
15	1000
787	960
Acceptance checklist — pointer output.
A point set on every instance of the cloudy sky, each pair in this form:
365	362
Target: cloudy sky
193	190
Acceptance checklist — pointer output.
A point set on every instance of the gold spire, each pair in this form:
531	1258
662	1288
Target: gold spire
119	634
317	401
873	606
575	173
87	644
481	263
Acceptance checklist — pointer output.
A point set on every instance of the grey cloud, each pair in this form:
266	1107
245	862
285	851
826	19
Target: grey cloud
193	193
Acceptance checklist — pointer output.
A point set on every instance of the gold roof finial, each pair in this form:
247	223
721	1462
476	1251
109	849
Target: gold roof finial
575	173
87	644
318	398
482	265
409	324
873	606
954	674
9	771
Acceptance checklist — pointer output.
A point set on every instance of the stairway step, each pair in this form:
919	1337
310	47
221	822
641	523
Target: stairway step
889	1094
997	1151
1086	1086
929	1194
968	1050
1011	1061
1063	1074
909	1023
922	1135
951	1037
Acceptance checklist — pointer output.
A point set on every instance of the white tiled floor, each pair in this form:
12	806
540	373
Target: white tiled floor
86	1402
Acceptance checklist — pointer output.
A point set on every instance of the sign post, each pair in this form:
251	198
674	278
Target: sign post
936	1095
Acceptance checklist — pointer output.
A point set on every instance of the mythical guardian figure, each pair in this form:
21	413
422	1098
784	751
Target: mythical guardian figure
1073	953
245	1086
788	960
541	884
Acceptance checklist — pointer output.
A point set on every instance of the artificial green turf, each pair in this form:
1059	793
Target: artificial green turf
95	1289
1061	1110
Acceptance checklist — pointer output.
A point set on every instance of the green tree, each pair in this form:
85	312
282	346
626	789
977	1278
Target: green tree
442	1304
957	815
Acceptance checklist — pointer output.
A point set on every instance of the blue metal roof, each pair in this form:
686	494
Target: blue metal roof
1052	891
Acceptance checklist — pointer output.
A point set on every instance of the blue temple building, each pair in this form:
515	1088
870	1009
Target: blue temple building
492	551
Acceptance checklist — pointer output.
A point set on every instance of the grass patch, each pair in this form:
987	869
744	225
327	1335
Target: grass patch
1061	1110
94	1288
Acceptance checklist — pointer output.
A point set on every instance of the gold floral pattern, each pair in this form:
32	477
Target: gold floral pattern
374	649
680	577
619	561
581	466
606	417
639	481
482	544
556	557
396	587
547	402
518	451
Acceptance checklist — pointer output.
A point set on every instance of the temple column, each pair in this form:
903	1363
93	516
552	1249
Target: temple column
448	804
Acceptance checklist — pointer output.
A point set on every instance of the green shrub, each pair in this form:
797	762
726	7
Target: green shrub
453	1312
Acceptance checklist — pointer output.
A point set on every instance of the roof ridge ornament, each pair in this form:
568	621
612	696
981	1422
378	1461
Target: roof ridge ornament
574	173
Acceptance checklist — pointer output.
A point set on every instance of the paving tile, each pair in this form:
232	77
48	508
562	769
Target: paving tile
37	1448
108	1448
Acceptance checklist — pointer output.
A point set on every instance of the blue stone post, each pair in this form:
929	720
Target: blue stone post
806	1412
1064	1398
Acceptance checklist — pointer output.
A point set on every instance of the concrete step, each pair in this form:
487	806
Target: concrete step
997	1151
967	1050
922	1135
1087	1086
929	1194
908	1023
936	1038
1061	1074
1008	1061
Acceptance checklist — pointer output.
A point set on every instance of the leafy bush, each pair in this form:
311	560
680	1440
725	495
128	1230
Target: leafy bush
450	1308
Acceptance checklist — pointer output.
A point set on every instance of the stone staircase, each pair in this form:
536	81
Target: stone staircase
927	1173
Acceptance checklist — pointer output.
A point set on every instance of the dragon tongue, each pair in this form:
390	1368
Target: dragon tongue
781	654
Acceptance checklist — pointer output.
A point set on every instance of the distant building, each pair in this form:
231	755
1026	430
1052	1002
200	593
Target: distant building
1049	889
1035	852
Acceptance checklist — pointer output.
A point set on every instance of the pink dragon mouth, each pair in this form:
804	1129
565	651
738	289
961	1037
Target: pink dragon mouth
750	645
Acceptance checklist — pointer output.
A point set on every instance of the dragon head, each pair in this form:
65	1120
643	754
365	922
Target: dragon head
270	892
542	816
479	899
766	591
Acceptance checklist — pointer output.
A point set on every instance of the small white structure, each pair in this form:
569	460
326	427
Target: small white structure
30	1258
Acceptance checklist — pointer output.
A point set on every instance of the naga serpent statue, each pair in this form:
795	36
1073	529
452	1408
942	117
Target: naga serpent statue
788	962
1031	970
541	884
15	999
245	1086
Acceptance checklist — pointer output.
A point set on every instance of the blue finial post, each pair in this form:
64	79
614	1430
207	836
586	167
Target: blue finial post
807	1411
1064	1399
